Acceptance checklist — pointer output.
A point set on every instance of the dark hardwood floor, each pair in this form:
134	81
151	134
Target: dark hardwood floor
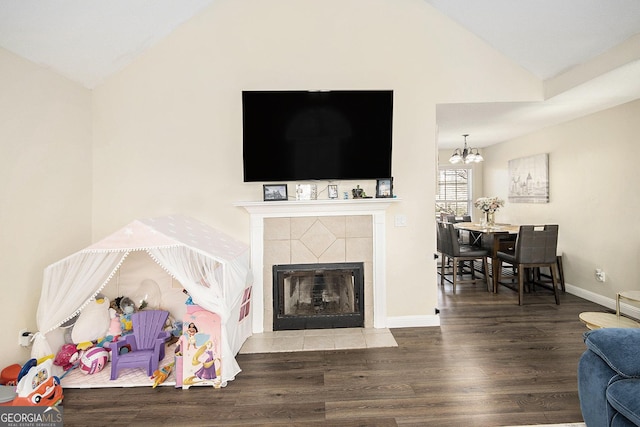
491	363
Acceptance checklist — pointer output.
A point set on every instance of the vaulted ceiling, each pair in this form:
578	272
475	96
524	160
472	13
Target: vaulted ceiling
88	40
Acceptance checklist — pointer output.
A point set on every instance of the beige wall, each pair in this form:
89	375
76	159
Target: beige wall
593	197
45	186
166	130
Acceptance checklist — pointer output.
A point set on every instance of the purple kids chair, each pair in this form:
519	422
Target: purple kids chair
145	344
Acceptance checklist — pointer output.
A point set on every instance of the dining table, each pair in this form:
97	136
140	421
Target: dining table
494	238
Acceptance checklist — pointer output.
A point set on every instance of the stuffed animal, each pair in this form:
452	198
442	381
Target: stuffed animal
93	321
128	307
114	324
66	357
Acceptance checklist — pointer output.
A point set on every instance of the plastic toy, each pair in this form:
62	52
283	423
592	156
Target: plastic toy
161	374
9	375
37	386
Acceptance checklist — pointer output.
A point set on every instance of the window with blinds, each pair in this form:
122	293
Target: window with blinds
454	196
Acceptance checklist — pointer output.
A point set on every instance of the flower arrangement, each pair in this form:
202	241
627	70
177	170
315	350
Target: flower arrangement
489	204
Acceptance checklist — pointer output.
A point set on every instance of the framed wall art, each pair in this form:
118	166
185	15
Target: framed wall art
529	179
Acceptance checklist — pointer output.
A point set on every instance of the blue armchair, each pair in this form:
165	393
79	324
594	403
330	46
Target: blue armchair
609	378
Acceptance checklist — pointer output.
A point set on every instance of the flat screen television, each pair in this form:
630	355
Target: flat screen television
317	135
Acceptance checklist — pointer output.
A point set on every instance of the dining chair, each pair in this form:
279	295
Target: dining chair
454	219
457	218
451	249
441	245
560	271
535	247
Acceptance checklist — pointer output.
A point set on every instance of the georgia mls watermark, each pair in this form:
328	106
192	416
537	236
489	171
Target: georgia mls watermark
31	416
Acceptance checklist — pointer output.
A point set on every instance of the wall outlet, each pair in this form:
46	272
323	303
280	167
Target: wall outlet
400	220
24	337
600	275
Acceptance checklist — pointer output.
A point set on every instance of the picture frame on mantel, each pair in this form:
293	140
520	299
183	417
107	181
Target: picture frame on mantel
274	192
529	179
332	191
384	188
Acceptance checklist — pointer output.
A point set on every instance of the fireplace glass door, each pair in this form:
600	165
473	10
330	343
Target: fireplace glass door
318	296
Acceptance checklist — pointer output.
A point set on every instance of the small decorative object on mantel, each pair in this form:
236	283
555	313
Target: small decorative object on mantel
274	192
306	192
358	193
384	187
489	205
332	191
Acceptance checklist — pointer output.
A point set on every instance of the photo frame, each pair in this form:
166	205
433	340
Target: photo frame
384	188
273	192
529	179
306	191
332	191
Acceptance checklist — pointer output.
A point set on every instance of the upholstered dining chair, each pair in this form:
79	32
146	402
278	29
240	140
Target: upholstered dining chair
453	219
535	247
451	249
144	347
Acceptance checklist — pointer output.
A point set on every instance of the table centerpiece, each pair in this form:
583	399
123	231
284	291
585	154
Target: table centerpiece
489	205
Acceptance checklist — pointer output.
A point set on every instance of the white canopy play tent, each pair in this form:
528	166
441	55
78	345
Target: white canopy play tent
211	266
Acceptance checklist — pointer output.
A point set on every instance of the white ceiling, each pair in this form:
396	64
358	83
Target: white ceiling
88	40
547	38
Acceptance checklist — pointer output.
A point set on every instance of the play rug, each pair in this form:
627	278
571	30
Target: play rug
126	377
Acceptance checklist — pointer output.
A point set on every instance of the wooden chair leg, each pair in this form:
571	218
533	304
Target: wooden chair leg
496	266
487	278
560	272
456	265
521	274
553	268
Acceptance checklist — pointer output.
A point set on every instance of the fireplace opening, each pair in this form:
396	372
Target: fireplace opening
318	296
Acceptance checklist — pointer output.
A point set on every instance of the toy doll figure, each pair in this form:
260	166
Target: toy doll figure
208	369
191	335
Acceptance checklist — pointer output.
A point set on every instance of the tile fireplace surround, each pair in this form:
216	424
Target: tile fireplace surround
318	231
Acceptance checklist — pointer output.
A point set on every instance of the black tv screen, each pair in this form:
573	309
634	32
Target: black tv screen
323	135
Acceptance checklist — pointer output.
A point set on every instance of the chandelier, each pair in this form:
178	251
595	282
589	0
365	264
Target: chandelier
466	155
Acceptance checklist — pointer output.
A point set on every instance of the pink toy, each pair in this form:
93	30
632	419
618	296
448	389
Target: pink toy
66	357
93	360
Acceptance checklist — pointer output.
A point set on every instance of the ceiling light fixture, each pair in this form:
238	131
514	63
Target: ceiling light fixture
466	155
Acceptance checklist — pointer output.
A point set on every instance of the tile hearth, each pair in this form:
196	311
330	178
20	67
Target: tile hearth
318	340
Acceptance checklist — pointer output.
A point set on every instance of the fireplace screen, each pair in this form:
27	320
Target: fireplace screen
317	296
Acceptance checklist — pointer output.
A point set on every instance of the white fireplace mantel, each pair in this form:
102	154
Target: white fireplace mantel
277	209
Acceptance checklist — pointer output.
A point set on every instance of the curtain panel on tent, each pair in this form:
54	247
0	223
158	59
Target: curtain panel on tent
197	273
67	288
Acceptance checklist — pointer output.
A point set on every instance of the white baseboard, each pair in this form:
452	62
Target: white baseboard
626	309
434	320
413	321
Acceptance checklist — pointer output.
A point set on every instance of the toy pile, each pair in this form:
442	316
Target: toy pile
87	347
